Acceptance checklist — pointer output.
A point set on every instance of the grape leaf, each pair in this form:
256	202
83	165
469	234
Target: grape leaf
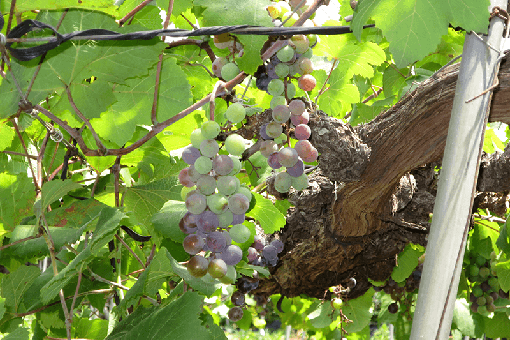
146	200
425	21
503	270
90	329
503	241
177	320
6	135
166	221
107	226
407	262
199	284
466	322
498	326
238	12
96	5
149	17
358	310
17	194
135	99
179	6
20	333
321	317
16	283
54	190
264	211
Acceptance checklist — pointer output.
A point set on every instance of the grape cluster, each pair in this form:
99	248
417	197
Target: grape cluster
260	254
398	292
215	200
485	290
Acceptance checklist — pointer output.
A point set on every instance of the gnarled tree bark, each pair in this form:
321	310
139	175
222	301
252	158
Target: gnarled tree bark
375	188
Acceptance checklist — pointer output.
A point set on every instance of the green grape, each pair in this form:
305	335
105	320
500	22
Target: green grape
229	71
308	54
217	268
481	301
237	166
209	148
230	277
206	185
480	260
282	182
210	129
482	310
473	271
196	203
227	185
274	129
281	114
494	283
196	138
277	100
285	54
291	90
337	303
477	291
197	266
275	87
281	70
226	219
203	165
312	38
301	43
304	65
245	191
274	10
235	113
240	233
282	138
484	272
300	183
235	145
217	203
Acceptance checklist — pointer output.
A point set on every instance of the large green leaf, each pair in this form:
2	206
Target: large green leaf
96	5
414	27
17	193
54	190
498	326
264	211
166	221
321	317
107	226
16	283
239	12
177	320
407	262
358	310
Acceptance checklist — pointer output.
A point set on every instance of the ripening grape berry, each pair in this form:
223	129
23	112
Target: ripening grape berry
221	41
232	255
275	87
235	145
229	71
210	130
269	252
235	46
193	244
196	203
203	165
222	165
297	170
206	185
244	191
288	157
285	54
193	174
281	114
274	129
282	182
252	254
187	224
393	308
307	82
240	233
267	148
196	138
303	148
311	156
272	161
302	131
209	148
278	245
290	91
207	221
303	119
238	204
184	178
216	242
218	64
263	133
226	219
237	166
296	107
235	113
197	266
277	100
227	185
312	38
190	154
237	298
308	54
217	203
281	70
217	268
258	242
304	66
235	314
238	219
301	43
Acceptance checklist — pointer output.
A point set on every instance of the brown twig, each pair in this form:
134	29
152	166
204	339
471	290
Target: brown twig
168	14
212	104
116	174
19	154
20	241
133	12
130	250
189	22
151	256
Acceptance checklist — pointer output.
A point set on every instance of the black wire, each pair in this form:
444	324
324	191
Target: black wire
30	53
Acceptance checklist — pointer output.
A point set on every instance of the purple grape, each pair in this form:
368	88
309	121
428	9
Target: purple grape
252	254
184	178
303	119
267	148
190	154
297	170
193	174
238	204
263	133
237	298
288	157
262	82
269	252
196	203
302	131
278	245
223	165
272	161
235	314
258	243
216	242
207	222
193	244
188	223
238	219
232	255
